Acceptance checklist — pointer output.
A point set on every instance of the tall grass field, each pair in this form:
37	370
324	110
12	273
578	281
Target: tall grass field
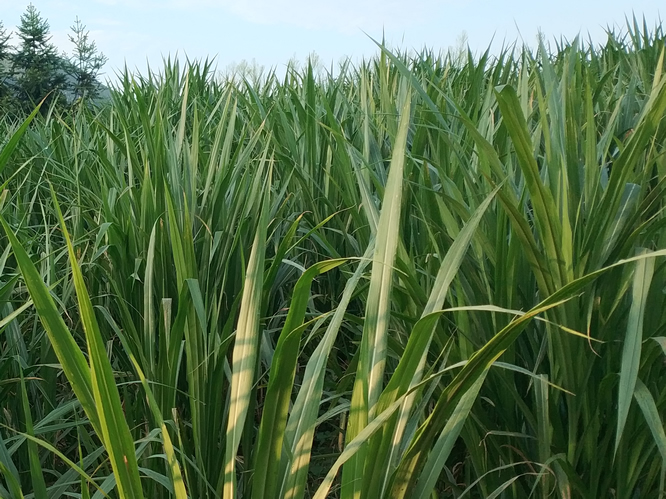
420	276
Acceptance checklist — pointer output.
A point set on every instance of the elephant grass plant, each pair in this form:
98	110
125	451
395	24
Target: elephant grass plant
427	275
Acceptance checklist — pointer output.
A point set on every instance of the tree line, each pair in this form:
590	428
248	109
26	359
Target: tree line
34	69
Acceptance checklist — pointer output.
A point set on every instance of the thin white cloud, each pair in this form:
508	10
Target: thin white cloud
104	21
340	15
343	15
123	42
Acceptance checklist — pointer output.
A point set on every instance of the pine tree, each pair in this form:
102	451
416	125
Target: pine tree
37	67
85	63
4	53
5	92
4	43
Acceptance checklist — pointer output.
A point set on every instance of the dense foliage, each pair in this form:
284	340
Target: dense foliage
423	276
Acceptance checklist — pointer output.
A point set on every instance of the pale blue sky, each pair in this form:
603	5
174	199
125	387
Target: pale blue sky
273	31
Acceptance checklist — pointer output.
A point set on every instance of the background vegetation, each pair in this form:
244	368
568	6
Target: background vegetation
423	276
34	69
